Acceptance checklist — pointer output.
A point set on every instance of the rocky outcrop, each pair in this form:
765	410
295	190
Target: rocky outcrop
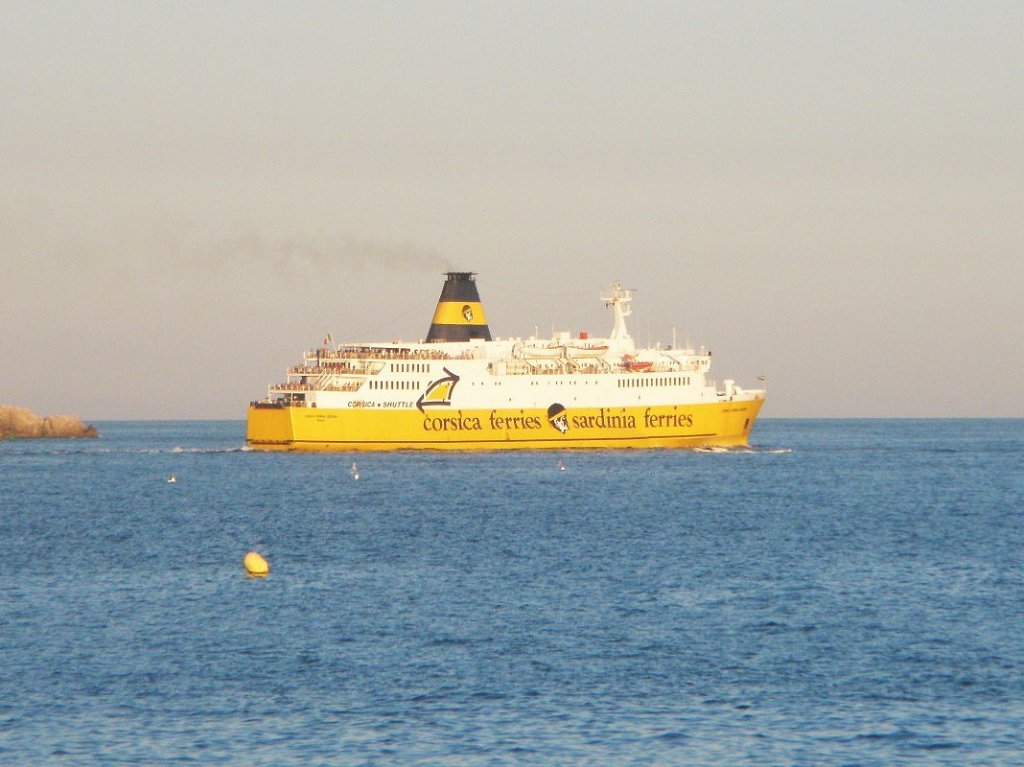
22	422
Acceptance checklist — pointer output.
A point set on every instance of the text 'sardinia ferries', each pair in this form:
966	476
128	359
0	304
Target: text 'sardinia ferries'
462	390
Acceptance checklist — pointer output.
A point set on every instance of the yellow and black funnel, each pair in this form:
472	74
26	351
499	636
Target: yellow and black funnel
459	315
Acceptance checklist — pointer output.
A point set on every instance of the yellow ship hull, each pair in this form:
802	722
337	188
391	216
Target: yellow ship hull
720	424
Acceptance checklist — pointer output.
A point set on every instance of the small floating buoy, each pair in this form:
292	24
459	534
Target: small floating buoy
172	479
255	564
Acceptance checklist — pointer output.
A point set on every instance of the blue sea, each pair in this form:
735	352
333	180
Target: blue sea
845	593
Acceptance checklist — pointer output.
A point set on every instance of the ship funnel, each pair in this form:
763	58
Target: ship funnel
459	315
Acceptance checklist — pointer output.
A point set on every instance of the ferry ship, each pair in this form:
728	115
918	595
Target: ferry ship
459	389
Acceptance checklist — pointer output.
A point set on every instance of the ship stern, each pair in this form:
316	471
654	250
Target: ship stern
269	427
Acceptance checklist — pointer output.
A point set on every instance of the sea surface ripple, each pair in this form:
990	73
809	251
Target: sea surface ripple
845	593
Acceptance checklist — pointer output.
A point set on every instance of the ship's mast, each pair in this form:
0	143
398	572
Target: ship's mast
619	300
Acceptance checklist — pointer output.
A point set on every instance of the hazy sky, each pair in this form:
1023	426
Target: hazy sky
828	194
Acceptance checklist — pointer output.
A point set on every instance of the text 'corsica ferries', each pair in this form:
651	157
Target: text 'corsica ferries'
461	390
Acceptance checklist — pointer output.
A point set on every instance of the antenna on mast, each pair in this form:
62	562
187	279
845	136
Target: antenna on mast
618	300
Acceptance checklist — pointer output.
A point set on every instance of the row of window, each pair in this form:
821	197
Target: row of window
410	367
404	385
633	382
643	381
